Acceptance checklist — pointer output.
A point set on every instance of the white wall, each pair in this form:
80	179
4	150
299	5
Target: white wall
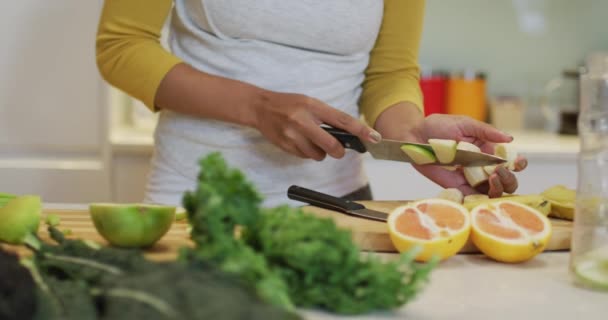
53	119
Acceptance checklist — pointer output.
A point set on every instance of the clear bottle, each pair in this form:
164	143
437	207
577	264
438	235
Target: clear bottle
589	250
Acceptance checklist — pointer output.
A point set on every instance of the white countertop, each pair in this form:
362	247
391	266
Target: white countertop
471	287
540	144
532	144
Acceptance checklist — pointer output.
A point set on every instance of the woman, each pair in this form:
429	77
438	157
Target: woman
255	79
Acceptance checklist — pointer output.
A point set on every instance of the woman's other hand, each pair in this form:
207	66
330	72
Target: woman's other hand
292	122
459	128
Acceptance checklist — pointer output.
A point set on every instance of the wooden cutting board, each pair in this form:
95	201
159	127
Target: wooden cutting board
373	235
369	235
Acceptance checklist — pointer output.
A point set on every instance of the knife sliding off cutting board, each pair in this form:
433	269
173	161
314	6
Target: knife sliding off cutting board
391	150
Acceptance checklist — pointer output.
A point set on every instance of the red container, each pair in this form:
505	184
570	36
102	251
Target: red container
434	92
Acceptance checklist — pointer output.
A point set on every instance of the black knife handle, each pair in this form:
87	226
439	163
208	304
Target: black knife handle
322	200
348	140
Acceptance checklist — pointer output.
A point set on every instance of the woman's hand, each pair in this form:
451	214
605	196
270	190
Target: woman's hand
292	122
459	128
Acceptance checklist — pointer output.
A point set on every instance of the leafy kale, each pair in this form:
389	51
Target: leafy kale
80	281
289	257
324	269
223	200
17	289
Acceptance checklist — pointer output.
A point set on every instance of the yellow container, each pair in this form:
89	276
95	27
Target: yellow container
466	95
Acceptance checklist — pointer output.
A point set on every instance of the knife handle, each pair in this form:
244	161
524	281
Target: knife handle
347	139
322	200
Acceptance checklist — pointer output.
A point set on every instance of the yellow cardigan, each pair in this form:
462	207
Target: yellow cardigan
130	56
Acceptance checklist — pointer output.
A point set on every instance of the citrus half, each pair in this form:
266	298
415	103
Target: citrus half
441	227
508	231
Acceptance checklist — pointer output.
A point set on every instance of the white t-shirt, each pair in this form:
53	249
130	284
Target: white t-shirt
313	47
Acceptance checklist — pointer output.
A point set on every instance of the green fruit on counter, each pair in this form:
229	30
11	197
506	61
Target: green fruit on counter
132	225
19	218
562	201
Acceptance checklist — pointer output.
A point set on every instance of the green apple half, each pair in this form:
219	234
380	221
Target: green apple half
445	149
20	217
132	225
418	154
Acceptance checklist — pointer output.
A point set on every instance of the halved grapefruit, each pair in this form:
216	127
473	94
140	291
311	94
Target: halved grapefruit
440	227
508	231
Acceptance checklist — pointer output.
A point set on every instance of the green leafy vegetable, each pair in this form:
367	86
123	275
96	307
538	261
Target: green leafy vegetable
289	257
81	281
17	289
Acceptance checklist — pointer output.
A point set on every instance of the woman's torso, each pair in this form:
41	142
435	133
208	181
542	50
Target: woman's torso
312	47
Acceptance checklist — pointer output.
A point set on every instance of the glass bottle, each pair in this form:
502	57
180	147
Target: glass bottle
589	250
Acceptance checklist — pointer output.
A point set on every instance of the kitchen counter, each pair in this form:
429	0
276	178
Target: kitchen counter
471	287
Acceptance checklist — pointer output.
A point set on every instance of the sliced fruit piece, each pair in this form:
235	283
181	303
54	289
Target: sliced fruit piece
508	152
475	175
463	145
451	194
418	154
508	231
562	201
19	218
475	198
490	169
445	149
131	225
450	168
440	227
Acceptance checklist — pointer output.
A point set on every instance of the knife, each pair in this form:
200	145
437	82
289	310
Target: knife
391	150
326	201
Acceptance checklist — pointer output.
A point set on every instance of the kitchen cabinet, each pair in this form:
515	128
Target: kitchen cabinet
53	118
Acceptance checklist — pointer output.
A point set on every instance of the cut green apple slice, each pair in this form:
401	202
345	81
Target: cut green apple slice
475	175
445	149
507	152
490	169
418	154
463	145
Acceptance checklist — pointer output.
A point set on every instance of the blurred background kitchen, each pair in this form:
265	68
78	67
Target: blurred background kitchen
68	136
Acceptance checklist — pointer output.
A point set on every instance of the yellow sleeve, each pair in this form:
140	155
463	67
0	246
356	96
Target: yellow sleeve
128	50
393	72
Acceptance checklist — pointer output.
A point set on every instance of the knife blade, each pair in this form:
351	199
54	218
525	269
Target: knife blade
391	150
326	201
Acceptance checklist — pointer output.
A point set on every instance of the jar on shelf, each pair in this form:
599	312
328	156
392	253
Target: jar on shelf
466	95
434	85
